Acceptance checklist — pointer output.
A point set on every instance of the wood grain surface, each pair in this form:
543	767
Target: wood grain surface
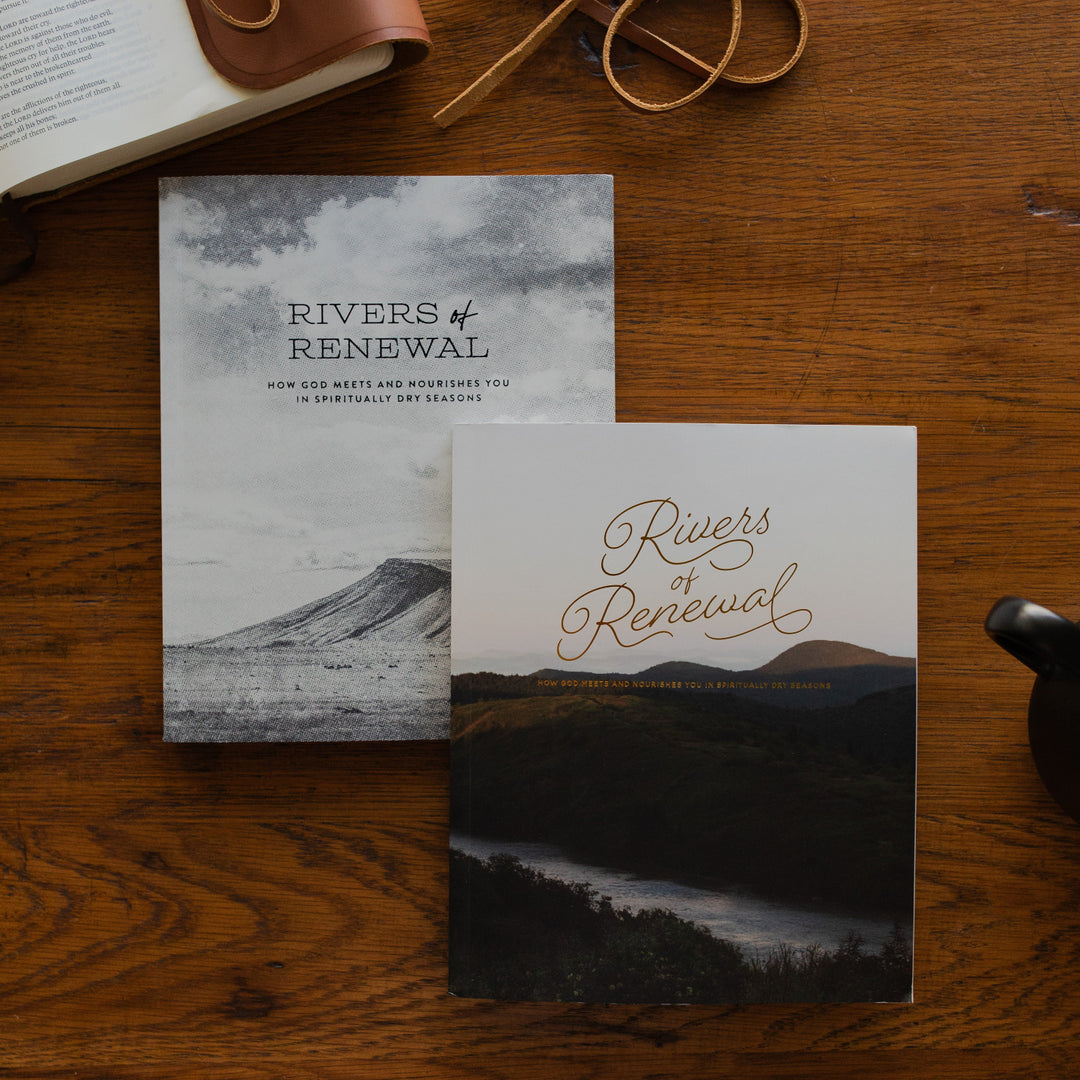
890	234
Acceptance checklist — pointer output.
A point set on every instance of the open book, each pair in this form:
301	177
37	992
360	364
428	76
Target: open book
91	86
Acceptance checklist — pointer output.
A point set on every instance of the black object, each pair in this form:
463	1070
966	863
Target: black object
1050	645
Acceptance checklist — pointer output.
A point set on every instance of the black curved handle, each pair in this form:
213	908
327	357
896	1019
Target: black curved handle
1046	642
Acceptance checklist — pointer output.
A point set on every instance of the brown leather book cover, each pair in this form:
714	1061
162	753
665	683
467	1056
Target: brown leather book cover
260	44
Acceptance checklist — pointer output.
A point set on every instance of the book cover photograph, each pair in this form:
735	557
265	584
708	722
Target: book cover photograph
320	335
683	725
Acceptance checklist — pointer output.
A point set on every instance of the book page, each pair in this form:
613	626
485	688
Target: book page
80	78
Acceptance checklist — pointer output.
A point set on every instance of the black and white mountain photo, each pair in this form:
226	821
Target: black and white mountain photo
371	654
320	336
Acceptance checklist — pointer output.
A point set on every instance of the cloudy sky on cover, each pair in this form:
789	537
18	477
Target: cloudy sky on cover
836	502
270	501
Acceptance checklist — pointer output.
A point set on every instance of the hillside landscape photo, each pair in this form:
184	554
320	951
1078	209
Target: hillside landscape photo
740	784
368	659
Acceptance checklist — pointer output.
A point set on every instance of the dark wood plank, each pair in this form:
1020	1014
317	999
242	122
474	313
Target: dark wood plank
888	235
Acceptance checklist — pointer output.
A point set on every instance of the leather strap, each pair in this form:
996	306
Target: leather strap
649	41
618	22
619	17
680	58
799	9
503	67
245	24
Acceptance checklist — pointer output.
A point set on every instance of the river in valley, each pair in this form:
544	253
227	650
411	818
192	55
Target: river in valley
755	923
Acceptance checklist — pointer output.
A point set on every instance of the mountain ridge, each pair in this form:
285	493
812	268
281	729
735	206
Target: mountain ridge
805	656
400	600
828	672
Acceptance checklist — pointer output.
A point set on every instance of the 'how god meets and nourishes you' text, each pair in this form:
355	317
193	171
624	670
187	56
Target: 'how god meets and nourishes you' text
702	546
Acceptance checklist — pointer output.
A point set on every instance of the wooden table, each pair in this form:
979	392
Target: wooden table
890	234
